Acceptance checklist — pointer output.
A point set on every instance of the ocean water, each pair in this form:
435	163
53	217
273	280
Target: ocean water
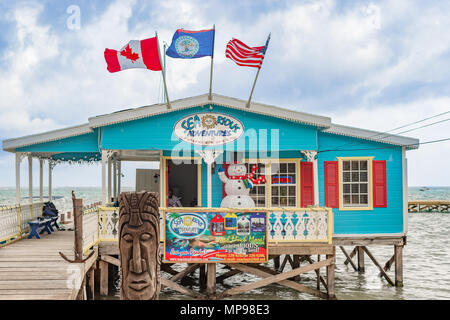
426	257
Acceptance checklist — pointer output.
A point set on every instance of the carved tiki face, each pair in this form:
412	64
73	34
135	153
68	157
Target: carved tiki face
139	246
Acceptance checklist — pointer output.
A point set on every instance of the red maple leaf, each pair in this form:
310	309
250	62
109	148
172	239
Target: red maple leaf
129	54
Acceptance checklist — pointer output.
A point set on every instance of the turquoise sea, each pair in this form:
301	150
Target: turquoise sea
426	255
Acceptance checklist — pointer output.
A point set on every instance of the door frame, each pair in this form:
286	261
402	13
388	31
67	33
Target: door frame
165	178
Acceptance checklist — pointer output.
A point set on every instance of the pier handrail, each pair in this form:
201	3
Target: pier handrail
14	221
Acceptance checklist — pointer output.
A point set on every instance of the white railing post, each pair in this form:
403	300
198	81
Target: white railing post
41	180
109	178
50	168
104	158
18	160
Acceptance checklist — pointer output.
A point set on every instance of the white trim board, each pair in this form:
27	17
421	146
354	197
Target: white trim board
191	102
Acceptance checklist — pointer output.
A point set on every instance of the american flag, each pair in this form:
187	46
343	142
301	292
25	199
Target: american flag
246	56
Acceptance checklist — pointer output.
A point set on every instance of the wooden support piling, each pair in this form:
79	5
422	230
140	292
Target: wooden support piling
398	253
319	277
103	266
295	265
276	262
211	279
330	276
92	283
202	276
360	251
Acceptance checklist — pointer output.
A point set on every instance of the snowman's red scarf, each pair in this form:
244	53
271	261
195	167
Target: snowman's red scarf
250	176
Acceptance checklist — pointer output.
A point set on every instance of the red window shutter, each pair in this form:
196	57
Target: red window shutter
331	184
379	183
306	184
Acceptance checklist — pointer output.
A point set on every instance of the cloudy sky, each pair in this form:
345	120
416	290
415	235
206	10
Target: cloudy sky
375	65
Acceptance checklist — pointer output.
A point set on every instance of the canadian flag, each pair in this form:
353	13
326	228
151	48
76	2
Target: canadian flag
136	54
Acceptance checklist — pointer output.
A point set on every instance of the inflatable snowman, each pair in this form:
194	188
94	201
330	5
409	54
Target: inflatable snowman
237	186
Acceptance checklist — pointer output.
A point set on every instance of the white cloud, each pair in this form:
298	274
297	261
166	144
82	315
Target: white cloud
355	62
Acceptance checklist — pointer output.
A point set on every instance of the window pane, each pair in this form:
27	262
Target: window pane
346	199
346	188
291	167
346	165
363	176
363	165
355	165
291	202
355	199
346	176
355	176
291	191
275	201
283	201
275	191
283	191
363	188
275	168
283	168
355	188
364	199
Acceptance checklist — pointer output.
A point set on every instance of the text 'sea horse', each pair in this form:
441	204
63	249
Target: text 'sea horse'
139	246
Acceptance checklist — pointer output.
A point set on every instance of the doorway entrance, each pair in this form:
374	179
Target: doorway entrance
182	182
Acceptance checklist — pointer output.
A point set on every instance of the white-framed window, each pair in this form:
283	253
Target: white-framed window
258	191
355	188
283	184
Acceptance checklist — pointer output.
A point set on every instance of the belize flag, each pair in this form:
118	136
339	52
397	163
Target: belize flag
192	44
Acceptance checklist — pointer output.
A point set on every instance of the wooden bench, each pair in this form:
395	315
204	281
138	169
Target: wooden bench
44	224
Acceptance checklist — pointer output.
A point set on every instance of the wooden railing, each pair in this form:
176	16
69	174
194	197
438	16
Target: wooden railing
14	221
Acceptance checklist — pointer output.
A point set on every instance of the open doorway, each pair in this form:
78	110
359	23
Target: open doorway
182	182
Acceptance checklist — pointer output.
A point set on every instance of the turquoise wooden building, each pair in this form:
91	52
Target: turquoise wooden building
307	159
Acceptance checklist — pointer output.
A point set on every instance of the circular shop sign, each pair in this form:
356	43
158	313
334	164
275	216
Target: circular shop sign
188	226
208	129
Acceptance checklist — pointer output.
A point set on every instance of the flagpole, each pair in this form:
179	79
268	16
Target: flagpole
164	50
163	73
212	62
257	74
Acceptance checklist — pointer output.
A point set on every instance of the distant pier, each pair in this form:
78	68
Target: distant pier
429	206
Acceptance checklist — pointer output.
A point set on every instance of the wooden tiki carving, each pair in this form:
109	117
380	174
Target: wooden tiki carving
139	246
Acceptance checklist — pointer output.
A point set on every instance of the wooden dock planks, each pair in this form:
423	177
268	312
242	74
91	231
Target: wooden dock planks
32	269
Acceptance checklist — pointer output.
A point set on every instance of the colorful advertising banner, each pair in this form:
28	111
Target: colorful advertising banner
215	237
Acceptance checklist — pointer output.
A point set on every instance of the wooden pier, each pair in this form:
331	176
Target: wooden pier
32	269
429	206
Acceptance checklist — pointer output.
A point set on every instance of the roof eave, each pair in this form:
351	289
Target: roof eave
12	144
383	137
